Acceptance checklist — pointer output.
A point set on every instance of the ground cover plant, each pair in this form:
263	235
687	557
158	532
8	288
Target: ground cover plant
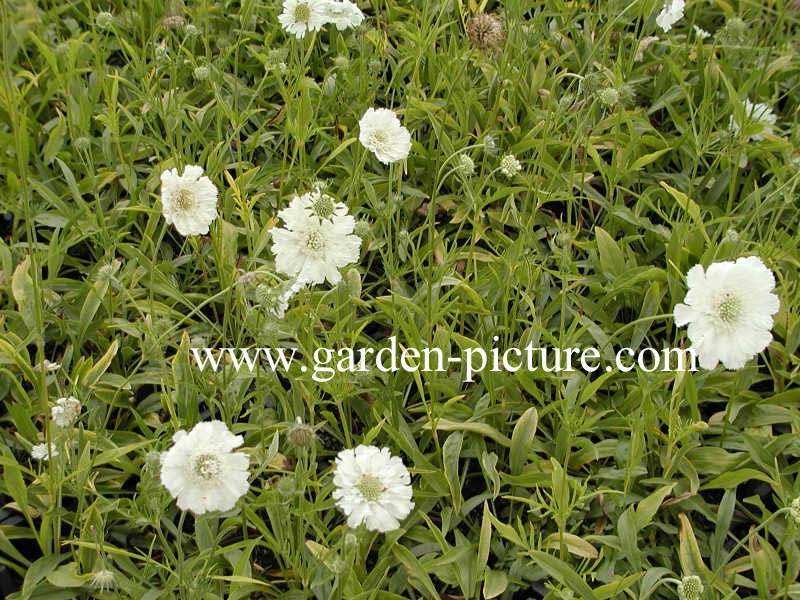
444	180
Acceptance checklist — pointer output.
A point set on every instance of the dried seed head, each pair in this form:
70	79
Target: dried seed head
486	31
300	434
173	22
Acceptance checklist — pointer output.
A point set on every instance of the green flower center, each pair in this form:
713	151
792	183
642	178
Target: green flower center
184	200
729	309
302	12
371	487
323	206
206	467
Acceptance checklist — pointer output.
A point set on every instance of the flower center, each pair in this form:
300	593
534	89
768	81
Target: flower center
729	309
378	138
371	487
302	12
184	200
206	467
315	242
323	206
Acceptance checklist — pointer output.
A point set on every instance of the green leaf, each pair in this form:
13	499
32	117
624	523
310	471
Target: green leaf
474	427
648	507
22	290
451	452
563	573
732	479
484	544
574	544
612	259
93	374
494	583
66	576
689	206
646	159
416	573
38	571
522	440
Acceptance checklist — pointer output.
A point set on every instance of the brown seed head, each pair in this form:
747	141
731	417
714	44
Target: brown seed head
486	31
173	22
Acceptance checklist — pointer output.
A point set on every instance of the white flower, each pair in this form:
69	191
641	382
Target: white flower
103	579
372	487
465	166
794	511
381	133
342	13
670	14
312	204
40	451
48	366
201	470
274	299
489	144
758	119
316	250
65	411
700	32
300	16
188	201
316	240
729	310
510	166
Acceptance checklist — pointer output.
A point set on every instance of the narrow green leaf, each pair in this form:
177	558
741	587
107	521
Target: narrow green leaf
563	573
451	452
522	440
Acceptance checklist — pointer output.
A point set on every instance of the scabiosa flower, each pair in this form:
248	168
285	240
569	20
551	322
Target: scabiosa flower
201	73
382	134
202	472
690	588
729	310
42	452
274	299
65	411
104	20
510	166
758	119
314	204
342	13
162	53
485	31
608	96
489	144
188	201
313	249
372	487
465	166
794	511
48	366
670	14
700	32
102	579
301	16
